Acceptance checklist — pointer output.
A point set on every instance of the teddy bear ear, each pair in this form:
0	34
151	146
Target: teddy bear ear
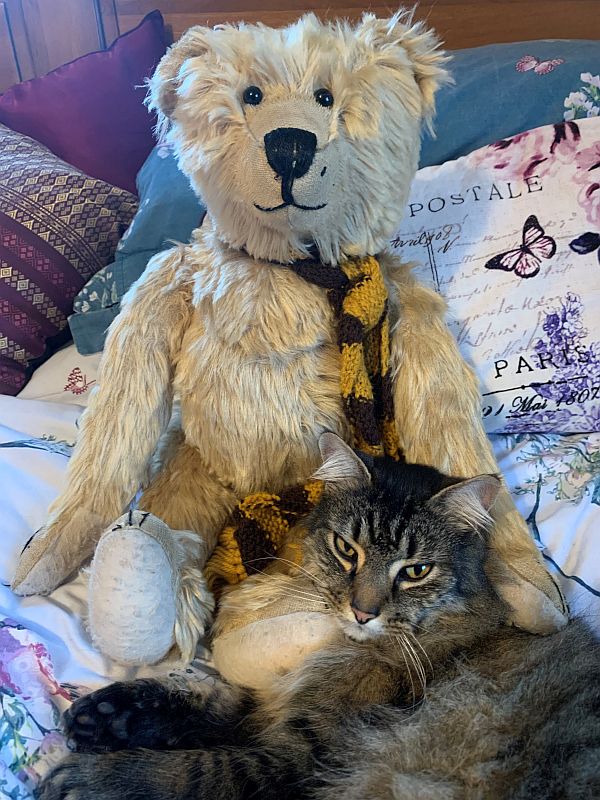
163	85
420	43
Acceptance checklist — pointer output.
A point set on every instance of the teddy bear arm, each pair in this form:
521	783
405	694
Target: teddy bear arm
128	411
437	407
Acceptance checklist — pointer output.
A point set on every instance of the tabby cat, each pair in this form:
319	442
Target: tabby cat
427	694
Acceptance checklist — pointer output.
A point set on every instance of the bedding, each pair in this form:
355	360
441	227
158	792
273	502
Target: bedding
504	235
57	228
90	112
554	80
169	211
46	659
500	90
509	235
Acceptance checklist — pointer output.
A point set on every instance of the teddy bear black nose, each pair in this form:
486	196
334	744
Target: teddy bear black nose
290	152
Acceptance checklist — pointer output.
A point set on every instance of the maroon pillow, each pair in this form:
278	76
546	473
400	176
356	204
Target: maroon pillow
91	111
58	227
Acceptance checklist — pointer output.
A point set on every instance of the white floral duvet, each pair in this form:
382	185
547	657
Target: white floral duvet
46	658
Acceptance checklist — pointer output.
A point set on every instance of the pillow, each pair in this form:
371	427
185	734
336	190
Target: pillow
57	228
91	111
510	236
66	377
503	89
169	211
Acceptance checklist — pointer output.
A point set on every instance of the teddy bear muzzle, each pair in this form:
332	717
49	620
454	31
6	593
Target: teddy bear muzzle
290	153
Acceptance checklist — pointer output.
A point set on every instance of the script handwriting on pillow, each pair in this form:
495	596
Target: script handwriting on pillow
525	260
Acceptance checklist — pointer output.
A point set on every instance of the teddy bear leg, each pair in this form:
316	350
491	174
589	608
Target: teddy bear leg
135	580
437	405
147	591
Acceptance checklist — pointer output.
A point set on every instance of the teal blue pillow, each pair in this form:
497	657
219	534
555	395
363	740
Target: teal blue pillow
503	89
499	90
168	212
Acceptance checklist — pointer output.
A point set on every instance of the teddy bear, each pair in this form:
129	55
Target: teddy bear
222	370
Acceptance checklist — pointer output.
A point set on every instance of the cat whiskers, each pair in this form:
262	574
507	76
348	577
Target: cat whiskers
422	649
417	662
407	649
408	669
293	564
291	589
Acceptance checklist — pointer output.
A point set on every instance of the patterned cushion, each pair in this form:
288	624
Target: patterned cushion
91	112
57	228
549	78
169	211
510	236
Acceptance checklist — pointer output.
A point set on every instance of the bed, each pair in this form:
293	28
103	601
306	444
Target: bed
46	658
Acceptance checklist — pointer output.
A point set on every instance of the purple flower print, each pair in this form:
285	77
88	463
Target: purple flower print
516	156
535	152
544	421
577	369
26	669
587	175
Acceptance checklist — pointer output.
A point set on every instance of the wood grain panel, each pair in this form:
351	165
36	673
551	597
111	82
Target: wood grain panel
108	20
59	31
9	66
460	23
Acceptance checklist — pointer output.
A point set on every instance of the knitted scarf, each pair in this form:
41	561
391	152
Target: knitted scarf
358	297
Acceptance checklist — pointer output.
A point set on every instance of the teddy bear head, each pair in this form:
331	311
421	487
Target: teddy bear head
301	136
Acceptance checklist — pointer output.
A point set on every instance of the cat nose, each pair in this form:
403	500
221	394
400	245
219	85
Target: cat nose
364	616
290	151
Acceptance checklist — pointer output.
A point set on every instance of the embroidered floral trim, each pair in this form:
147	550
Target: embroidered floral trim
77	382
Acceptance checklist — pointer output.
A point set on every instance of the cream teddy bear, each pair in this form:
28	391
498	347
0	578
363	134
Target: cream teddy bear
223	368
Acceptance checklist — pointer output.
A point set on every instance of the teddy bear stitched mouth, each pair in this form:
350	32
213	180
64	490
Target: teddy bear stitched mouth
290	153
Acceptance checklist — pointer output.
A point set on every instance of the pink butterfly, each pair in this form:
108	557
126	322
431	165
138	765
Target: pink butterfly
540	67
526	259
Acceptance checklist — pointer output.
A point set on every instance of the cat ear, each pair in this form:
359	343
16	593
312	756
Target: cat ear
468	503
341	467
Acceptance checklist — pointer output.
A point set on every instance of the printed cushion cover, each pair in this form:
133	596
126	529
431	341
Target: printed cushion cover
169	211
503	89
57	228
510	236
91	111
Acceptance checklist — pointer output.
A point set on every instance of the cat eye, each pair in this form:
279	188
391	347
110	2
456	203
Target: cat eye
415	572
252	96
324	98
345	549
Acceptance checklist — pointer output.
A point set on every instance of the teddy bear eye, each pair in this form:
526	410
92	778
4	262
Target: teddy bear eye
324	98
252	95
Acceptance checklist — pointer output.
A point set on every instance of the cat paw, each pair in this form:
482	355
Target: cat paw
121	716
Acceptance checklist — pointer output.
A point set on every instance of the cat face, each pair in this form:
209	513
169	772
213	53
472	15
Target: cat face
394	548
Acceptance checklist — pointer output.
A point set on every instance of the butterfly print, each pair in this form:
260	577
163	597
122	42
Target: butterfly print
539	67
526	260
586	243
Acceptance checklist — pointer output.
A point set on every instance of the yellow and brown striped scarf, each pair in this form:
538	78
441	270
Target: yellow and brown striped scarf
358	298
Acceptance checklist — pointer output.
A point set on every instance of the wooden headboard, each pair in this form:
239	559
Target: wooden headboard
38	35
